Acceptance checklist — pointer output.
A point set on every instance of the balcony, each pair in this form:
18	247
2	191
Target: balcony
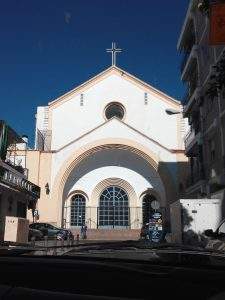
192	85
188	63
189	100
14	179
188	50
191	139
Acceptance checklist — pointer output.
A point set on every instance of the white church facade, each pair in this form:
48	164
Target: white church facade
105	151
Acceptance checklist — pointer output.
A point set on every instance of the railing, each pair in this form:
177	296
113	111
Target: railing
16	180
187	51
192	137
191	89
18	168
189	138
132	217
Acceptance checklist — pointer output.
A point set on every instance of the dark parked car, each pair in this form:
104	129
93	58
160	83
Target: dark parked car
52	231
36	234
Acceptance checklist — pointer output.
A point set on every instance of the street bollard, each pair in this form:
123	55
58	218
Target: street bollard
33	241
72	240
55	241
55	245
46	244
78	238
45	241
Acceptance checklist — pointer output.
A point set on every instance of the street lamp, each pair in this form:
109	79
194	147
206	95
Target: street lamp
171	111
47	189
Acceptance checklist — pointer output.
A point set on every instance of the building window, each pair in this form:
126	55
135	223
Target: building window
212	150
81	99
114	110
21	210
77	210
113	209
146	98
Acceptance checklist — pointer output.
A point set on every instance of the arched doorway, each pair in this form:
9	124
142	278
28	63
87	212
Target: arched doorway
77	210
149	206
113	211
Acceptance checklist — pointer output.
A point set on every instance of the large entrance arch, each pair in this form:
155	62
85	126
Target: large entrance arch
92	148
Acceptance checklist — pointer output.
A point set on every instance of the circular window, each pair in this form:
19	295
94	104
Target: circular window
114	110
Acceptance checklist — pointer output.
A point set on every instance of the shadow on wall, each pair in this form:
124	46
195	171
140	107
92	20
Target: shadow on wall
221	195
189	236
174	176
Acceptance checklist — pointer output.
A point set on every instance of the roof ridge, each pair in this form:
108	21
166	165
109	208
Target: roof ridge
147	85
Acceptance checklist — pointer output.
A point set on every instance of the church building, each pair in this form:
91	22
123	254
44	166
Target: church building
107	154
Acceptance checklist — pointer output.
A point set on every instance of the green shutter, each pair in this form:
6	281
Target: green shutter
3	141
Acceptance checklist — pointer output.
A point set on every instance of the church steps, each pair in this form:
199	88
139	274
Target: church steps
110	234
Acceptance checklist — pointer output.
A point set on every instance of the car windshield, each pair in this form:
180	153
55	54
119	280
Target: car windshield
113	148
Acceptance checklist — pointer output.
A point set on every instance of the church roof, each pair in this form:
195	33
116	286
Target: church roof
121	72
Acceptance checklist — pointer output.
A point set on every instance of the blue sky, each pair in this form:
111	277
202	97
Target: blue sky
50	46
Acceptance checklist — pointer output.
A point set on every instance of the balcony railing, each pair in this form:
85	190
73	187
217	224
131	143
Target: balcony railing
18	168
189	138
191	89
187	51
16	180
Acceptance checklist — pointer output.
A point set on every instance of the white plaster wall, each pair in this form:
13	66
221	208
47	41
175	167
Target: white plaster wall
40	117
40	121
70	120
113	129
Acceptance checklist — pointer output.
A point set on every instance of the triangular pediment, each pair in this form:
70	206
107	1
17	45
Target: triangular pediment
120	125
119	72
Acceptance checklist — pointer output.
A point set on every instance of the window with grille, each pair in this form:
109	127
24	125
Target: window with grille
113	208
77	210
114	110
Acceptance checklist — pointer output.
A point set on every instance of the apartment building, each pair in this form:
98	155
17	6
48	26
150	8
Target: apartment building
17	194
204	103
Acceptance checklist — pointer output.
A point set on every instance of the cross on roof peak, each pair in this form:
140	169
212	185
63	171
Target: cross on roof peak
114	51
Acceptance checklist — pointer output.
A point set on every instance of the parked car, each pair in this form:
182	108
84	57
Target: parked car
35	233
218	234
52	231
